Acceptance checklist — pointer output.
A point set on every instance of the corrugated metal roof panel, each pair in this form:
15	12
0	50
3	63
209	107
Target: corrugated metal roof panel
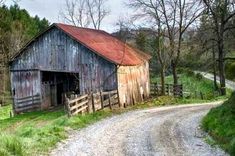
105	45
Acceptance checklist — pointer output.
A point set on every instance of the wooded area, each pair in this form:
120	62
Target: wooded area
16	28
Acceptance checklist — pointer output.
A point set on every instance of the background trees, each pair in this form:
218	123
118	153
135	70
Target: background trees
85	13
221	13
16	28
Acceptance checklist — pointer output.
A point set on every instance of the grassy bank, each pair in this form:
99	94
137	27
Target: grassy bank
36	133
220	124
193	86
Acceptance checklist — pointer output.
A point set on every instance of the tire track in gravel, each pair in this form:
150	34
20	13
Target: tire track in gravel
156	131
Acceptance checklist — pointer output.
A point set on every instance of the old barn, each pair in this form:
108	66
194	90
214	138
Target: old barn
66	58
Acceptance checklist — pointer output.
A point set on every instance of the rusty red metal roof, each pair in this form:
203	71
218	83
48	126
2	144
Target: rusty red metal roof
105	45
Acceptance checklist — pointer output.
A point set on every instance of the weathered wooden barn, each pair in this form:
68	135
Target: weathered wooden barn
66	58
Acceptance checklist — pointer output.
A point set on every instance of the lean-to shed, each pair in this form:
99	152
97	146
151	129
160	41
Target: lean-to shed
66	58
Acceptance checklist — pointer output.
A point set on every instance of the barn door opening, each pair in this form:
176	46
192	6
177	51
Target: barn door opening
56	84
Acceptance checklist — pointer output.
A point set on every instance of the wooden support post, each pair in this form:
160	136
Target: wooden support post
110	105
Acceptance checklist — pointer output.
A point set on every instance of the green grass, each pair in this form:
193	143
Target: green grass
220	124
193	86
37	132
5	112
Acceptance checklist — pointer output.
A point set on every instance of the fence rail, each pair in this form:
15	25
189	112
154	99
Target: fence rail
97	101
77	105
27	103
170	89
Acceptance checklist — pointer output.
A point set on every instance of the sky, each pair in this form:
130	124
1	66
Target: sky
50	9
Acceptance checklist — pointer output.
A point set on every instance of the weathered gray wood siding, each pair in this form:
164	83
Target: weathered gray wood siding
56	51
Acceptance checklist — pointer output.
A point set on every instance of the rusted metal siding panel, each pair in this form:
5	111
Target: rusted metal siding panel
133	83
56	51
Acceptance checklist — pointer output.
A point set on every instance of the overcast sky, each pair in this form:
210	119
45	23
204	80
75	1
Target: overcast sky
50	10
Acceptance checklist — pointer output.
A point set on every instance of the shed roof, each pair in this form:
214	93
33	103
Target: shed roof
103	44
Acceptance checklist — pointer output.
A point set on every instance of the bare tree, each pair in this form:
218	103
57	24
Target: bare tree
97	12
148	9
222	12
76	13
171	18
85	13
178	16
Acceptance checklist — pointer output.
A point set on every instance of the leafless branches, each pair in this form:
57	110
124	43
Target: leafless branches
84	13
221	12
172	18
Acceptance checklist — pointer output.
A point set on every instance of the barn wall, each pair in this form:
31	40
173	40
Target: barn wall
133	83
56	51
25	84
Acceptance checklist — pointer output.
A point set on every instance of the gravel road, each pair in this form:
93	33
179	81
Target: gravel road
163	131
229	84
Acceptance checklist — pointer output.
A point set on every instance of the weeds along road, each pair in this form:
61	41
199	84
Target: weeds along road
165	131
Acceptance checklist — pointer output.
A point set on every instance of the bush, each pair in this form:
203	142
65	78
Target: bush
186	71
230	71
199	76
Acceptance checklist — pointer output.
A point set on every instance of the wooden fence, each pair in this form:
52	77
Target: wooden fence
77	104
170	89
97	101
27	103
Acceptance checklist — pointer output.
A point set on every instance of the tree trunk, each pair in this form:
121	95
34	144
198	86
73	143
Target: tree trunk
214	69
163	80
222	68
174	72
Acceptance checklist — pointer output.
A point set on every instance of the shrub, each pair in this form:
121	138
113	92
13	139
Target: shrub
230	68
186	71
199	76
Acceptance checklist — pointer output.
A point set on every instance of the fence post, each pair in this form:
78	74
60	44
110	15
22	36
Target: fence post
168	89
201	95
119	104
93	103
181	91
101	100
67	105
110	105
155	88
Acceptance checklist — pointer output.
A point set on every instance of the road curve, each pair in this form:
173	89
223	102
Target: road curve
229	84
162	131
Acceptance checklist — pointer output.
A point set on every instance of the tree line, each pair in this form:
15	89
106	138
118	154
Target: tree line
16	28
181	24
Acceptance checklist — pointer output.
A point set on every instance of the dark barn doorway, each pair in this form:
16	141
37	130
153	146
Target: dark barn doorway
56	84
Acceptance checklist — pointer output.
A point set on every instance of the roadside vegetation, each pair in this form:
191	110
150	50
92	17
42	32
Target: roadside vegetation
196	88
220	124
36	133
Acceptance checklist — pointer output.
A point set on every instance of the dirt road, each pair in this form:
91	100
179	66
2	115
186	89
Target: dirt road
229	84
163	131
